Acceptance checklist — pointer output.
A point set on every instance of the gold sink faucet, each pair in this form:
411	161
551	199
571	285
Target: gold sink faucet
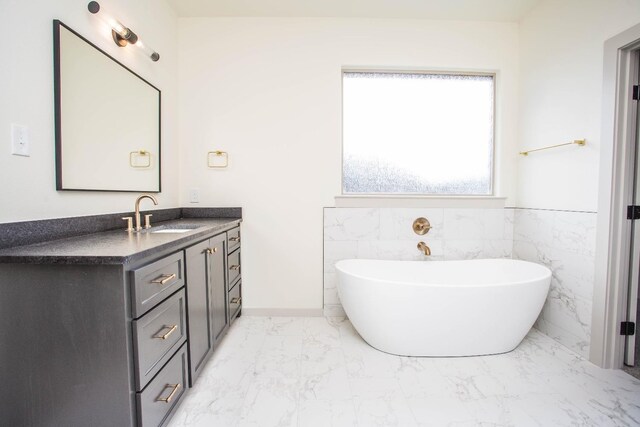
144	196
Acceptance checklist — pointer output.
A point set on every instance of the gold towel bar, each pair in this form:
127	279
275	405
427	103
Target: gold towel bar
577	142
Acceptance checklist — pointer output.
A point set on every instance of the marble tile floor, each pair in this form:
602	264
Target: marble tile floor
316	371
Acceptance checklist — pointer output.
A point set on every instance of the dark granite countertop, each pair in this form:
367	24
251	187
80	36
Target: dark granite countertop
118	246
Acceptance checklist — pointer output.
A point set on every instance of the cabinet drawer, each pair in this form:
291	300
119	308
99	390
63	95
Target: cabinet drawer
235	301
233	264
154	282
157	335
162	395
233	239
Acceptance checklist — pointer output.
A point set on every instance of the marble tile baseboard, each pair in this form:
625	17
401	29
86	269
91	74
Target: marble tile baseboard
29	232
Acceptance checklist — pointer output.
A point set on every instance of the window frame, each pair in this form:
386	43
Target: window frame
407	70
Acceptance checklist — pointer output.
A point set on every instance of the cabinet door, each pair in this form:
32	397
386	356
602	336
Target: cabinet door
217	270
199	308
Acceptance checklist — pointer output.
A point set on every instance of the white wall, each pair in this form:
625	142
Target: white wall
268	92
27	184
561	63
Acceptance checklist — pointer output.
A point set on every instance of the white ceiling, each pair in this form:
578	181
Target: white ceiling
465	10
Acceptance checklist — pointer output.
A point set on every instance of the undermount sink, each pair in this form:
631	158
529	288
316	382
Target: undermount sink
176	228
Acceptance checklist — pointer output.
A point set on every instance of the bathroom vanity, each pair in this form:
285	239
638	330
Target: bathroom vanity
112	328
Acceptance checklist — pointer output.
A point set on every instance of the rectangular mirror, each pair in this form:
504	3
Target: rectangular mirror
107	120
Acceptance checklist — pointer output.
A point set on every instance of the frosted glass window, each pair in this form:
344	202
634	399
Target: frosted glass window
417	133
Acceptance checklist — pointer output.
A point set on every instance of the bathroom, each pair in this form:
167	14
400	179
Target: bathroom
262	82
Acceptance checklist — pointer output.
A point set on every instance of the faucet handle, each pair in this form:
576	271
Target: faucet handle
129	220
147	220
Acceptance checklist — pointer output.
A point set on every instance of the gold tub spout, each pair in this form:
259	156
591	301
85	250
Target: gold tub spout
422	247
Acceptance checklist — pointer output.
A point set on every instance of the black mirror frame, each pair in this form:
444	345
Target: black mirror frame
58	112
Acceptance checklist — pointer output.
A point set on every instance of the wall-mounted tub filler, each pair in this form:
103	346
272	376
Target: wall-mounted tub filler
421	226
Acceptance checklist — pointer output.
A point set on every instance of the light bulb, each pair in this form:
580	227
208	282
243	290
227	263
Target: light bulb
148	51
122	35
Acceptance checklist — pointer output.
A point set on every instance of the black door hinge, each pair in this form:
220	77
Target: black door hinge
627	328
636	93
633	212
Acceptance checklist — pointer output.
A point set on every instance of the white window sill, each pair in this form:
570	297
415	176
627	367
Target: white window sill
404	201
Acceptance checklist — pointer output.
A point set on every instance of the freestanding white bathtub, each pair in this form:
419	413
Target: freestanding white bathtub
442	308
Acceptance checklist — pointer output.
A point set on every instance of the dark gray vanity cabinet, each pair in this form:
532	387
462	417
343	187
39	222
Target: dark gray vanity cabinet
66	346
217	259
93	345
213	293
199	294
110	329
206	289
234	285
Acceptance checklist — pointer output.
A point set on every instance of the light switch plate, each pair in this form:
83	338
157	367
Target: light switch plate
19	140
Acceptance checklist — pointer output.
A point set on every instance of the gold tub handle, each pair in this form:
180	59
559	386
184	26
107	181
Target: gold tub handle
421	226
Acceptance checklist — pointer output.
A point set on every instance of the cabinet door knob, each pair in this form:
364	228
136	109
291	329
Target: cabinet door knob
211	250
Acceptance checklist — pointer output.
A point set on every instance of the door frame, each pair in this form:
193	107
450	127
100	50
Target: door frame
615	186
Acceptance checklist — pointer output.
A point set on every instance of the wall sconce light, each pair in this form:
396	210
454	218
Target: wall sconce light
122	35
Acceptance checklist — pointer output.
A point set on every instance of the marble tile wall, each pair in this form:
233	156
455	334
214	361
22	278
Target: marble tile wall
565	242
386	233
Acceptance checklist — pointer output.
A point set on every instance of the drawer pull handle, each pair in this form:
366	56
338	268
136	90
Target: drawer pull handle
164	278
236	300
167	399
211	250
234	267
169	332
234	239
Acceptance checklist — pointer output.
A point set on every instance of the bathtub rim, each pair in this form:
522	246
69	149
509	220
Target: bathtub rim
548	274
